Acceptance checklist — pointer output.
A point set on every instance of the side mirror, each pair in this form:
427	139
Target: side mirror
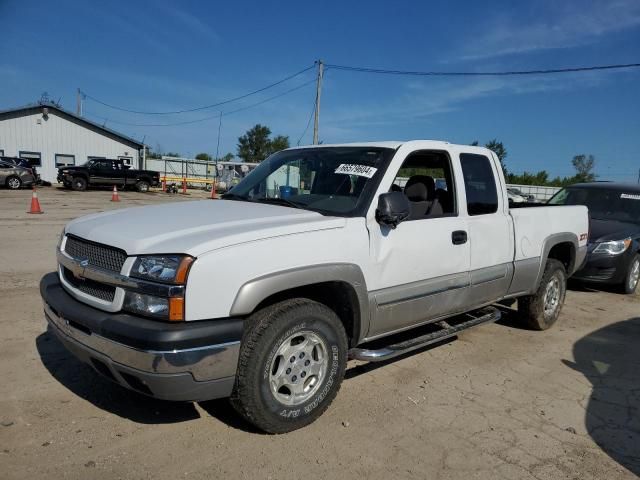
393	208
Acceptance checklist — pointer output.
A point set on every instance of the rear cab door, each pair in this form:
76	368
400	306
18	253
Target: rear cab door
489	224
119	172
420	270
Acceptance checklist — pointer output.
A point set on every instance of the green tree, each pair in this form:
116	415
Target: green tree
204	157
227	158
501	152
255	145
278	143
152	154
584	165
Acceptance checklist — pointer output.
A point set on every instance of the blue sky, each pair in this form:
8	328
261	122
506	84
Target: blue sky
160	55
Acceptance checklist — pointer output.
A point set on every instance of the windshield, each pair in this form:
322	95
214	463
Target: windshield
603	204
332	180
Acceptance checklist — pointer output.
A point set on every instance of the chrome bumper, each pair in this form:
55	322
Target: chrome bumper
191	374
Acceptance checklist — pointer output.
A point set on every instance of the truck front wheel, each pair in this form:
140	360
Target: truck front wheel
541	310
292	362
79	184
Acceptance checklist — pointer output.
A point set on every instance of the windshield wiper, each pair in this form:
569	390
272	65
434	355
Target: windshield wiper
279	201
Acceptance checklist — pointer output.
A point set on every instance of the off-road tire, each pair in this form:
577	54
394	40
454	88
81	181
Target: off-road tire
13	182
142	186
265	332
532	307
79	184
629	287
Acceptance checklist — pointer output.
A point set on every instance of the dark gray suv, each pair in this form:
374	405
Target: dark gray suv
14	176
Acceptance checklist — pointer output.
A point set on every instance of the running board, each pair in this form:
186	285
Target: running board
459	323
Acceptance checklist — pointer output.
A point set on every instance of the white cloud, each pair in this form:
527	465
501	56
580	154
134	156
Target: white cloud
192	23
555	25
421	99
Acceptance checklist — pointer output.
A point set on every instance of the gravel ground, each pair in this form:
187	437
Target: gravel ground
499	402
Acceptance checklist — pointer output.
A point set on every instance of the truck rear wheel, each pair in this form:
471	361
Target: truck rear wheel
541	310
292	362
142	186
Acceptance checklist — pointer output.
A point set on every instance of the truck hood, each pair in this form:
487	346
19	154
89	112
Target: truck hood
196	227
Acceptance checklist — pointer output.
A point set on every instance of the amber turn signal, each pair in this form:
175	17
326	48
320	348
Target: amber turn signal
183	270
176	309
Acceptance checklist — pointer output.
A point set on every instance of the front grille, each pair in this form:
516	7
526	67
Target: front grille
95	289
103	256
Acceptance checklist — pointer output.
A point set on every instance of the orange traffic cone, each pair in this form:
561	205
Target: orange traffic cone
213	190
35	203
114	196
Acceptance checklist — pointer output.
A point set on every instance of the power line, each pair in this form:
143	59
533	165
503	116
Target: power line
217	115
481	74
272	98
224	102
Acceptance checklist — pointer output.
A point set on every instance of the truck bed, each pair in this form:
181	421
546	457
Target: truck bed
533	226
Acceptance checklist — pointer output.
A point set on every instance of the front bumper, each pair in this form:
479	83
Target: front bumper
189	361
603	268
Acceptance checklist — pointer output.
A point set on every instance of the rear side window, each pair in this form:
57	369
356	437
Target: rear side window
479	184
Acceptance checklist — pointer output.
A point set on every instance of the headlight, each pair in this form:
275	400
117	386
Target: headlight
615	247
159	268
147	305
171	309
165	268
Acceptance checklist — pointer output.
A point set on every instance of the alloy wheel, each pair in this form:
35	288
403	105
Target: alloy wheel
298	367
551	296
634	275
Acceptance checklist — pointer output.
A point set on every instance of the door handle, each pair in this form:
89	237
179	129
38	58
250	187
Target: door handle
459	237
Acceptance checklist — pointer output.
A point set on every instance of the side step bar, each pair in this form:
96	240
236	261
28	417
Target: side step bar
447	329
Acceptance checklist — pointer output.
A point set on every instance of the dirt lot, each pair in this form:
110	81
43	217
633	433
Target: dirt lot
500	402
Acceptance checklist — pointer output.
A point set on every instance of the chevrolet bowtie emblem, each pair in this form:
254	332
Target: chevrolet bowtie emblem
83	263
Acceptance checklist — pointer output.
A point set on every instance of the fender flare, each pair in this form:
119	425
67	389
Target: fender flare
550	242
253	292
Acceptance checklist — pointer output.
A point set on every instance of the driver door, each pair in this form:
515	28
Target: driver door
420	268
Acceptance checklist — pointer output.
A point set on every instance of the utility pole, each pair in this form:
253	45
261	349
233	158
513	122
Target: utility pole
639	176
218	145
316	119
144	153
79	102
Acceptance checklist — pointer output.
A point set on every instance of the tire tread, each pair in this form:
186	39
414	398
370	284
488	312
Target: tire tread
244	397
531	308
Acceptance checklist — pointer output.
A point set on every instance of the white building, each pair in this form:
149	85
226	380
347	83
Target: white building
50	137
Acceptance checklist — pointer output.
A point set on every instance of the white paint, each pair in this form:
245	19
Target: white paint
236	242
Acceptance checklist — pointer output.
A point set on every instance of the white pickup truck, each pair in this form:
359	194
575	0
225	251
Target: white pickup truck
318	256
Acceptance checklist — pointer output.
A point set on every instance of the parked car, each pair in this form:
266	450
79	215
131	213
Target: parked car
24	163
102	171
13	176
614	232
308	261
516	196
